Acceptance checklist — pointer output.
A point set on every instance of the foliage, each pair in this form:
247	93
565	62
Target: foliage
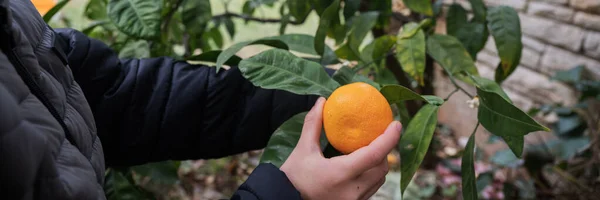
189	30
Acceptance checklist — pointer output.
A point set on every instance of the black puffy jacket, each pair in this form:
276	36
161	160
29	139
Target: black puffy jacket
69	107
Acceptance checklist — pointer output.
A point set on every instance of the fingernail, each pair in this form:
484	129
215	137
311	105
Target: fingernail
398	125
321	99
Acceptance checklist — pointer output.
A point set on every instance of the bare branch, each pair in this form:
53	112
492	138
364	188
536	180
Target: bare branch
250	18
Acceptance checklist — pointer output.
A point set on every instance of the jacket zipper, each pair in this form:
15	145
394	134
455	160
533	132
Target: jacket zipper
37	91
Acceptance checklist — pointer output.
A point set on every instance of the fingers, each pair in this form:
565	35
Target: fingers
311	131
373	189
373	179
371	176
369	156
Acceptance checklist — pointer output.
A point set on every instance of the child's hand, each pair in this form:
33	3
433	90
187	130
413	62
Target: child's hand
355	176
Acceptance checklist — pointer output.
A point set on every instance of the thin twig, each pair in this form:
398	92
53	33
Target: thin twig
250	18
451	93
460	88
170	14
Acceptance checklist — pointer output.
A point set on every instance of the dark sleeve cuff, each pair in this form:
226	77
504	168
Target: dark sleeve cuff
265	183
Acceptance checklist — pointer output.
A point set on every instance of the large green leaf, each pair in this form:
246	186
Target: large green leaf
398	93
450	53
329	15
457	16
502	118
136	18
345	75
415	141
284	139
381	46
410	52
48	16
505	27
361	26
479	10
195	14
469	186
473	36
420	6
280	69
490	86
138	49
231	51
299	9
350	8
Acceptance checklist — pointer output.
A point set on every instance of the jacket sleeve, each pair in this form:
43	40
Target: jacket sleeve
157	109
267	182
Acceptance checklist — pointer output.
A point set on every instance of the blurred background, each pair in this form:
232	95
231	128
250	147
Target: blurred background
560	66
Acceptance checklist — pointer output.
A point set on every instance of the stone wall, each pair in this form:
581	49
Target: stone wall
557	35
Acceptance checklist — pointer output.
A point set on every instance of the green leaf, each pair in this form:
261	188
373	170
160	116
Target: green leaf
450	53
410	52
249	7
467	166
350	8
345	75
231	51
160	172
361	26
92	26
473	36
48	16
139	49
490	86
502	118
479	10
346	53
420	6
409	31
398	93
403	113
329	15
211	56
136	18
280	69
415	142
195	15
119	187
457	16
382	45
321	5
505	27
284	139
299	9
230	26
96	9
572	75
433	100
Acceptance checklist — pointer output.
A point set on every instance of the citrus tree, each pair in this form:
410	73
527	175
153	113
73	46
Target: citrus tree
398	65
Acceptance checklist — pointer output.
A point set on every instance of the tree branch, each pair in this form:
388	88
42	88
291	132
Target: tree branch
170	14
250	18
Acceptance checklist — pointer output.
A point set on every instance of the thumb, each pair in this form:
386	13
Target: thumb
311	130
370	156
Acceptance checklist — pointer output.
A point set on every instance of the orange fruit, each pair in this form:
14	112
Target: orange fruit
354	115
43	6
